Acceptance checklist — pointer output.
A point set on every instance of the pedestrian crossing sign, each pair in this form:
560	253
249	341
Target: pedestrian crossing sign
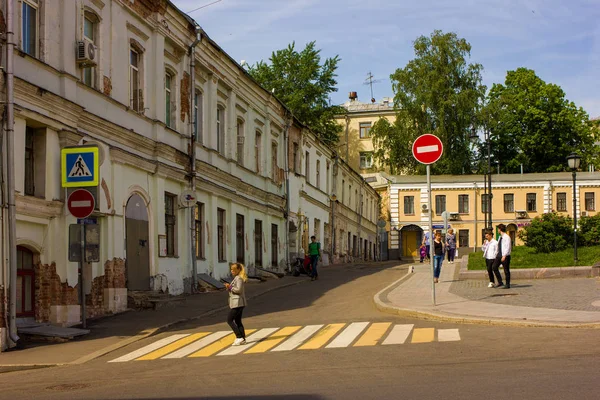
79	166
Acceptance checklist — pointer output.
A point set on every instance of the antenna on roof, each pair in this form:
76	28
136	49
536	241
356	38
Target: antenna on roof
370	81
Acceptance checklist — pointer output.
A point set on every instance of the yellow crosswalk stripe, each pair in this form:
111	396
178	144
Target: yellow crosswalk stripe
273	340
322	337
423	335
373	334
218	345
173	346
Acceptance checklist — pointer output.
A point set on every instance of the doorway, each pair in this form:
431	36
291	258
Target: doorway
137	246
411	240
25	283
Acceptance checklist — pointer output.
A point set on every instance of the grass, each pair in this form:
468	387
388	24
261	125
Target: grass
525	257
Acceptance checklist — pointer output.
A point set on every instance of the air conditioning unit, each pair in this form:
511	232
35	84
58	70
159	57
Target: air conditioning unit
424	208
521	214
86	53
454	216
584	214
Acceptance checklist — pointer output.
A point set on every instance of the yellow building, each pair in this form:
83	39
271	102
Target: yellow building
516	200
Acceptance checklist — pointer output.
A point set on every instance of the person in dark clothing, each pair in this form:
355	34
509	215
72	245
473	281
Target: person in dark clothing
438	256
503	257
314	251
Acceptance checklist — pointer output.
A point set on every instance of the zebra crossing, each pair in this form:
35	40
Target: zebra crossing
310	337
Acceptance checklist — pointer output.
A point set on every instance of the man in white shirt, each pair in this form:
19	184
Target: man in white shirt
490	251
503	256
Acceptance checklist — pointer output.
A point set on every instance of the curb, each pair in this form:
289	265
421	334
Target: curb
384	306
154	331
535	273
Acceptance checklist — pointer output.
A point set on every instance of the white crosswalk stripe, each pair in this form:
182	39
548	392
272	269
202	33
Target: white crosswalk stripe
448	335
150	348
191	348
250	341
299	338
348	335
399	334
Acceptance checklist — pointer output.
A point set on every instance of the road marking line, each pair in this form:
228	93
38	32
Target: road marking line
399	334
189	349
348	335
322	337
427	149
448	335
150	348
373	334
298	338
173	346
274	340
250	341
217	346
423	335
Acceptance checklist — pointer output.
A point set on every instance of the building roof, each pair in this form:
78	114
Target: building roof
356	106
503	178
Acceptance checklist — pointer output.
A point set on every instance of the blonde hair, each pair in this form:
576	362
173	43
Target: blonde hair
242	270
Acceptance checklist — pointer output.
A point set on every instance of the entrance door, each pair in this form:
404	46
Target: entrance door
25	283
136	237
239	238
409	243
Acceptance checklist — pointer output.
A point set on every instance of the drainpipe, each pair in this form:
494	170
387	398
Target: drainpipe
333	201
347	139
286	162
192	131
360	209
10	164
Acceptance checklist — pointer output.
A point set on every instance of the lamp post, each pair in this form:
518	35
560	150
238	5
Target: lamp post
574	160
487	181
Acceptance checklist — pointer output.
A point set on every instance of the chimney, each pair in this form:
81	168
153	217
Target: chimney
352	96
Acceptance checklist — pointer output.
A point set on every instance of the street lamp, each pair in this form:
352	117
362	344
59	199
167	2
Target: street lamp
574	160
487	181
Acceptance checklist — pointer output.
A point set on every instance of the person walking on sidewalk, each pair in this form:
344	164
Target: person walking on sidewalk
427	245
503	257
438	256
314	251
237	302
451	245
490	251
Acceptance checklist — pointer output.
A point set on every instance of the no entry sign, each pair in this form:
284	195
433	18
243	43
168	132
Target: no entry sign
427	149
81	203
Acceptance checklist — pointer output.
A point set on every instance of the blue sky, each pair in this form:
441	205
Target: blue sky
558	39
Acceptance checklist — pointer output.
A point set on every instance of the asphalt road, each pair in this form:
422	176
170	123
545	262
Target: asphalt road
491	362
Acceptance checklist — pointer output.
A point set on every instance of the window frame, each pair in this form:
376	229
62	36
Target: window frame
561	201
318	178
199	226
220	121
439	199
258	150
240	128
221	221
171	226
364	129
366	159
35	5
509	202
485	203
531	200
240	226
258	243
135	100
274	245
198	115
94	20
461	238
168	99
29	170
307	166
410	204
463	203
590	203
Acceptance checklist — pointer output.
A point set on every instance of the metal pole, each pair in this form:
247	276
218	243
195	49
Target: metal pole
10	170
574	216
193	132
430	233
82	260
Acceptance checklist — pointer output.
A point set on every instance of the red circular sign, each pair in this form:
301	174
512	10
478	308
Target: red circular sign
81	203
427	149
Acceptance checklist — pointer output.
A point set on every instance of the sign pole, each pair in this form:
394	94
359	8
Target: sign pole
431	250
81	265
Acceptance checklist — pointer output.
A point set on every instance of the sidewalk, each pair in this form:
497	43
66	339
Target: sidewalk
111	333
571	302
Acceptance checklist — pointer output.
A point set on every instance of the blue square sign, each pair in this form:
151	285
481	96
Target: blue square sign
79	166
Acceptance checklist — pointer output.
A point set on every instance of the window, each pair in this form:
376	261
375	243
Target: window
463	238
29	27
561	201
531	203
274	166
349	195
307	167
135	90
199	217
365	130
89	31
257	151
220	129
409	205
25	303
258	247
168	104
29	162
240	141
356	198
485	203
274	245
589	201
221	234
198	117
318	174
239	239
170	223
366	160
440	204
509	203
296	160
463	203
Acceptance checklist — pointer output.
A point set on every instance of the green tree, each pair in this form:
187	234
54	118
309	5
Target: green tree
303	84
589	228
548	233
437	92
532	125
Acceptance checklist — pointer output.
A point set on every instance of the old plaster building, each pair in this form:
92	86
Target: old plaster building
516	200
144	83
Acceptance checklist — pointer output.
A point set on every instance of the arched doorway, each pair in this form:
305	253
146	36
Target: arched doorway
137	246
25	283
511	230
411	239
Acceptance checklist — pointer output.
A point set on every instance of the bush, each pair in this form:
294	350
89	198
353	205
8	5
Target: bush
548	233
588	231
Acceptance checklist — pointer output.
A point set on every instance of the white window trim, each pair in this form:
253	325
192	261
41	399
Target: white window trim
33	4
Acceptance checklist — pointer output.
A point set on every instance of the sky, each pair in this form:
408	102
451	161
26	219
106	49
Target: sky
558	39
